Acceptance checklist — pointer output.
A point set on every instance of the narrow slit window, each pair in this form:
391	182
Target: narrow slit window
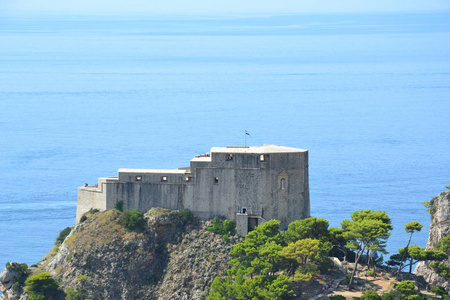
164	179
216	180
229	157
138	178
188	179
283	183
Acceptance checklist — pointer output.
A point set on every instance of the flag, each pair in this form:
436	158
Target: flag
246	132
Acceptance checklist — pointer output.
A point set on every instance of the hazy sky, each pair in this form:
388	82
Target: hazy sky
224	6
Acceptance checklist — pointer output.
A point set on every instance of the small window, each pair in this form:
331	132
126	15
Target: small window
229	157
263	157
283	183
188	179
164	179
216	180
138	178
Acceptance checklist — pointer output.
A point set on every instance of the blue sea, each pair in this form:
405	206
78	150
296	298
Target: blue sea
84	95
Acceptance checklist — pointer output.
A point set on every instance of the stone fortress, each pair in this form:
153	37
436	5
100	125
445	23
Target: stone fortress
248	185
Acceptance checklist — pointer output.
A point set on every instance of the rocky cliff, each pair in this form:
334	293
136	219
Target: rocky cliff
439	208
169	257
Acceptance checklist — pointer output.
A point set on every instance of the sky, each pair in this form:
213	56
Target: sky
228	6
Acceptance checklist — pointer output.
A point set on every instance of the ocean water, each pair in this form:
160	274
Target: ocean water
84	95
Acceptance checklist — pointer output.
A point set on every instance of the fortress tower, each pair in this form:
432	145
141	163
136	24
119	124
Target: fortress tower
248	185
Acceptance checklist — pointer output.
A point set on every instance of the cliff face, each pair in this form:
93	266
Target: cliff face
168	258
439	229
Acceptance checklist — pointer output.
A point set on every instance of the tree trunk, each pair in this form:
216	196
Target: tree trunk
404	254
358	256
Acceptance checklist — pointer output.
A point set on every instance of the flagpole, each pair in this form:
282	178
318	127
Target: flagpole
245	133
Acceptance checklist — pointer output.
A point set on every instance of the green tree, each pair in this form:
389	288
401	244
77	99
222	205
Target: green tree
336	297
301	255
407	290
41	286
413	255
247	253
301	251
260	287
268	258
312	228
338	241
439	291
370	295
410	228
367	230
62	235
441	269
444	244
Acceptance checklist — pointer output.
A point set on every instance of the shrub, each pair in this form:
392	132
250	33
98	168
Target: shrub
133	220
73	294
185	215
92	211
337	297
370	295
22	274
119	206
347	279
41	286
225	228
62	235
439	291
441	269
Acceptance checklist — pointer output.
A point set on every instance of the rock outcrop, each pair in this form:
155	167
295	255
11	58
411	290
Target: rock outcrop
439	208
169	257
9	282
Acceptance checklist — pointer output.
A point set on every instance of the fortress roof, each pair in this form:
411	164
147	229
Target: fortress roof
176	171
256	149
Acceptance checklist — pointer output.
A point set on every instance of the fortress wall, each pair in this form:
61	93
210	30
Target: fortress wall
143	196
91	197
272	186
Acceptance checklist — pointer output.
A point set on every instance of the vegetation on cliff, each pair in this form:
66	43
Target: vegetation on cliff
166	254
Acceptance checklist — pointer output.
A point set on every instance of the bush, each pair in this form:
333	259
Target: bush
41	286
225	228
92	211
133	220
370	295
22	274
337	297
439	291
185	215
119	206
73	294
62	235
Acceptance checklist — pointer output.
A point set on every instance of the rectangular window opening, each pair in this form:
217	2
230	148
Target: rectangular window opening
164	179
188	179
229	157
216	180
138	178
263	157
